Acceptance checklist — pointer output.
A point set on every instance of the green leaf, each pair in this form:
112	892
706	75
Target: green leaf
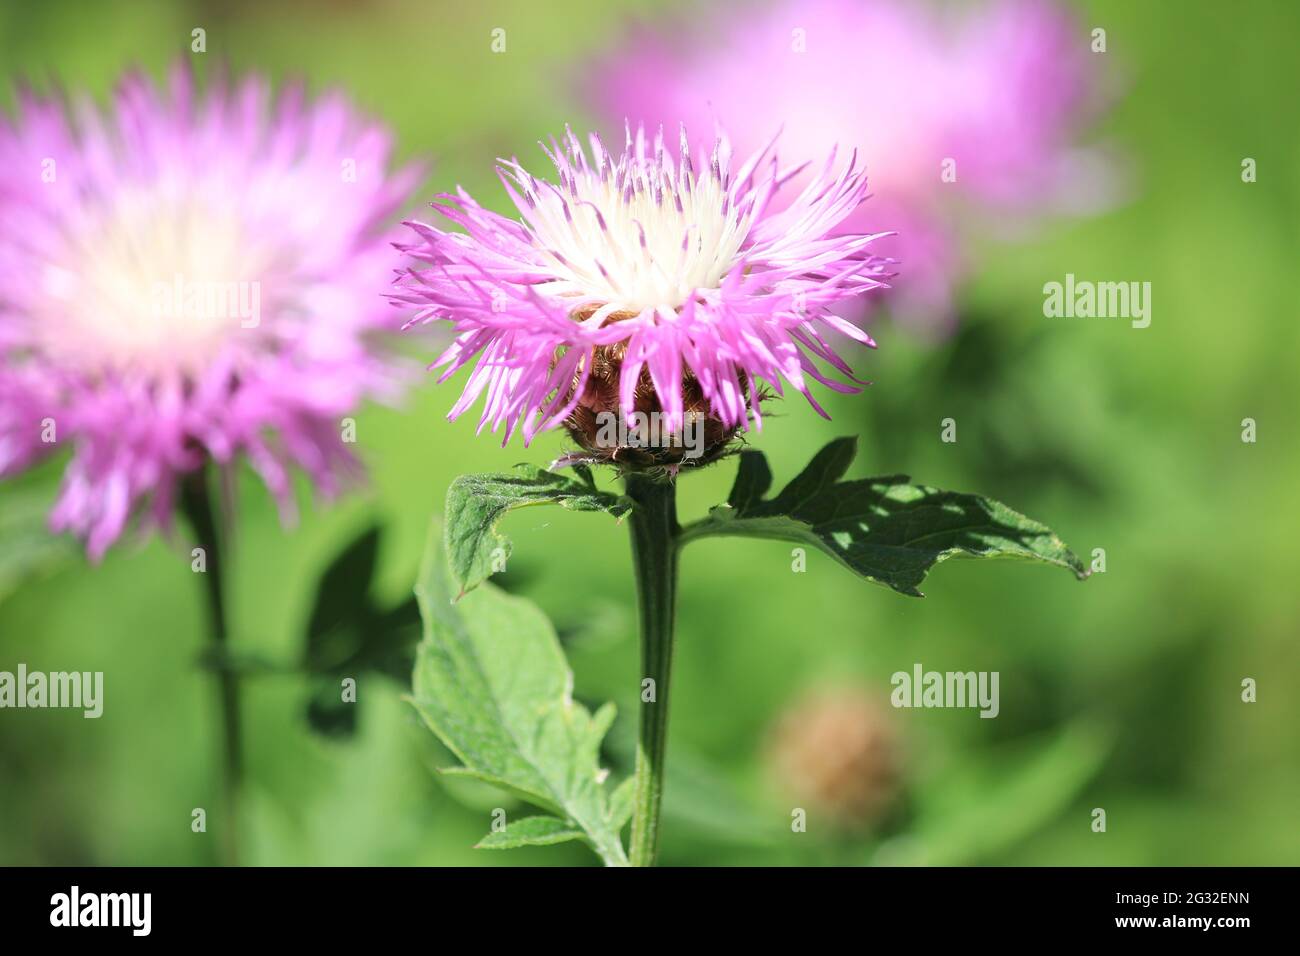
622	803
753	479
530	831
886	529
492	683
476	503
349	634
343	589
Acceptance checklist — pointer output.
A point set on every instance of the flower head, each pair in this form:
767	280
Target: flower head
961	116
183	277
836	750
649	281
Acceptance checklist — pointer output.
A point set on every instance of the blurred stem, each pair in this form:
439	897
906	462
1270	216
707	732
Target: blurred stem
654	529
201	511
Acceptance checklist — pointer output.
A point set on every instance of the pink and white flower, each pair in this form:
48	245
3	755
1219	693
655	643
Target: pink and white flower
646	278
188	276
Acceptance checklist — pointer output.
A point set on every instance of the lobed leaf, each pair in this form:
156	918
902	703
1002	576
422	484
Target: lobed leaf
887	529
492	683
476	503
530	831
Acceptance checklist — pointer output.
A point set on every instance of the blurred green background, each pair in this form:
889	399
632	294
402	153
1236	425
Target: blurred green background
1121	693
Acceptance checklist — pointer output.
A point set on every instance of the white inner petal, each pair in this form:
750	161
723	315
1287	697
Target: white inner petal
666	233
161	281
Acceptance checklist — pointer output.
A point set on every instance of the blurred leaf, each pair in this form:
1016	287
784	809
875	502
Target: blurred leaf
697	796
344	588
984	806
530	831
349	635
27	546
492	683
886	529
327	713
475	503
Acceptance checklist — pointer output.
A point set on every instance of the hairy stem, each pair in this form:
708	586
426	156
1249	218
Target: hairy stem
201	511
654	529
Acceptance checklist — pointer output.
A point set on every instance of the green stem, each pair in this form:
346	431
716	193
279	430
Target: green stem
200	510
654	530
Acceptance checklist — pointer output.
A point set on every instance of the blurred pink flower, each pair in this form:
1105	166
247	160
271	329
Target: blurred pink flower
646	280
992	95
188	276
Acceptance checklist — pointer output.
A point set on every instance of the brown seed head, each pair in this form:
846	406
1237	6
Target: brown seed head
594	420
836	752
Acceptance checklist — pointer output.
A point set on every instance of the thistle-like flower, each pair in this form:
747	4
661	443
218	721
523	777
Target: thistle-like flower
649	283
964	116
188	277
